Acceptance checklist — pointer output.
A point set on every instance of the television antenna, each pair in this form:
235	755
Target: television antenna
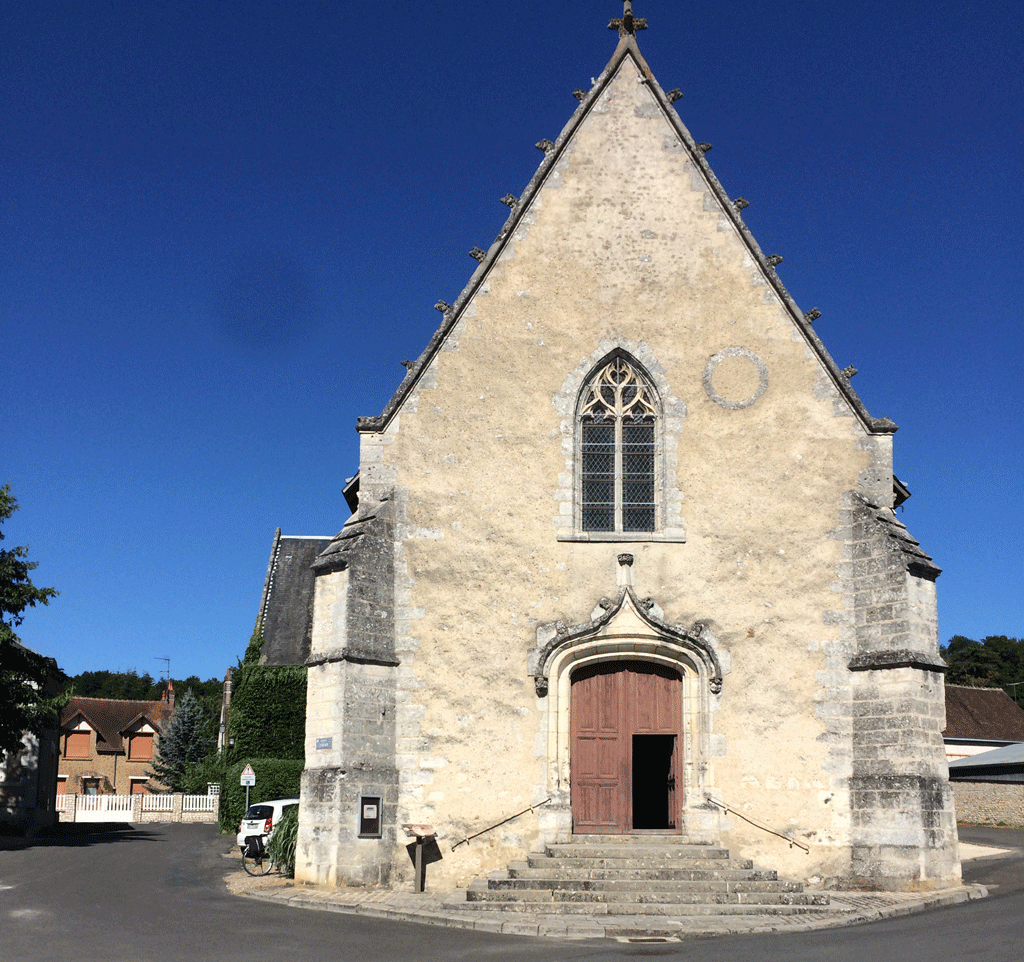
166	670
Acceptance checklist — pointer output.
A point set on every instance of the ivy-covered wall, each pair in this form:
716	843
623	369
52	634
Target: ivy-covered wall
266	729
268	708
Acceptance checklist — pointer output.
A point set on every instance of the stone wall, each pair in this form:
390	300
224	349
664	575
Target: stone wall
770	545
989	803
27	783
351	707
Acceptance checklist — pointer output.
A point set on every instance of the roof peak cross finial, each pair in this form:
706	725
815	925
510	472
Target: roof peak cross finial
628	24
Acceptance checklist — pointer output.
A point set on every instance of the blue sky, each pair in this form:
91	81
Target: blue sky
225	224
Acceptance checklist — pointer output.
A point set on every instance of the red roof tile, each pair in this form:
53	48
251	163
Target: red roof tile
988	714
110	717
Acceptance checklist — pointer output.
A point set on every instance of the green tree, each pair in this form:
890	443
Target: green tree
994	662
25	702
123	685
183	744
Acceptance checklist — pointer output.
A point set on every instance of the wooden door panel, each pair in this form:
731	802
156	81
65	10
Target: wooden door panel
654	694
597	757
596	762
610	703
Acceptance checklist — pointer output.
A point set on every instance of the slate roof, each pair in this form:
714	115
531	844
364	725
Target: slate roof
696	162
286	608
1003	757
112	717
1004	765
985	714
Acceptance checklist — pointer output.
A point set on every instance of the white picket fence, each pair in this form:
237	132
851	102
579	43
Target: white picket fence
138	808
103	808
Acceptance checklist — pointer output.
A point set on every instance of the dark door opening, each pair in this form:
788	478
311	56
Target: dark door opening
653	782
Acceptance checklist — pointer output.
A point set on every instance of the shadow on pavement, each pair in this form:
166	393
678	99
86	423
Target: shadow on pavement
80	834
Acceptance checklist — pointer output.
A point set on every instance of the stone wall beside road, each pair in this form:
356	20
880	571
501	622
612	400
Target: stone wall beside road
989	803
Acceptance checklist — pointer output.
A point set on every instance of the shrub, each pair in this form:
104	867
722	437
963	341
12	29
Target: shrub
283	841
196	780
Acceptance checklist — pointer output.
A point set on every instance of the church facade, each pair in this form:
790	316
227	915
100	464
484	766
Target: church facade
623	556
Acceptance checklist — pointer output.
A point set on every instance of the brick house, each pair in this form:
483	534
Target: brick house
107	744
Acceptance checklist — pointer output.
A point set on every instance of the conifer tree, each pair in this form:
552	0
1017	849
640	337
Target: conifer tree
182	744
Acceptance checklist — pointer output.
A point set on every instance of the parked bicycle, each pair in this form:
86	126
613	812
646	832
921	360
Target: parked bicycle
254	834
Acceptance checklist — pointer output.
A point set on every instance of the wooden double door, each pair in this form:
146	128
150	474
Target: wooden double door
626	745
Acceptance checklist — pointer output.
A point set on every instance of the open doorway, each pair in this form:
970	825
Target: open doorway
653	782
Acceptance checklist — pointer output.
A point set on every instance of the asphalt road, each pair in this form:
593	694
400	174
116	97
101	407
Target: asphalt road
111	893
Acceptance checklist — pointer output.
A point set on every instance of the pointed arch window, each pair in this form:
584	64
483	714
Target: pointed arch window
617	440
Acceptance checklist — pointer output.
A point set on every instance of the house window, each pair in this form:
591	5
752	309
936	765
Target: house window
616	424
77	745
140	747
138	786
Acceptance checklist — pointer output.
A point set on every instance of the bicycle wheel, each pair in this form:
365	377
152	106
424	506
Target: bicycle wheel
259	865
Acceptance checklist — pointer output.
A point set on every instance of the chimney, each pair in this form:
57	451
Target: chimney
169	695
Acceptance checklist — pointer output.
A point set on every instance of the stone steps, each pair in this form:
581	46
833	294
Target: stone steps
646	864
639	894
644	849
640	875
639	885
544	868
667	909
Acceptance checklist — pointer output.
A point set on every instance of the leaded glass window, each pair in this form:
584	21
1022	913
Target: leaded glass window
617	418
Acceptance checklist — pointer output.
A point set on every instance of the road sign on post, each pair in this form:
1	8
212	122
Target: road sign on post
248	779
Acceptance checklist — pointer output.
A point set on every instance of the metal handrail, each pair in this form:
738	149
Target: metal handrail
483	831
787	838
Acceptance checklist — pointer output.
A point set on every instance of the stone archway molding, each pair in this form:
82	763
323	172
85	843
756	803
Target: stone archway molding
628	628
661	642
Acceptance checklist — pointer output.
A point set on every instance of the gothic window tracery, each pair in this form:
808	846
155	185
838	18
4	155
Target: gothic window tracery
617	419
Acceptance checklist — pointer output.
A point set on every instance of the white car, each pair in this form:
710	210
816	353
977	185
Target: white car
261	818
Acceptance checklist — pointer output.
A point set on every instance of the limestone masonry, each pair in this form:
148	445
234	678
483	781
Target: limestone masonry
624	551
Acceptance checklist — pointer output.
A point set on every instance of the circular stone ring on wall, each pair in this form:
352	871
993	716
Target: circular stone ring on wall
741	376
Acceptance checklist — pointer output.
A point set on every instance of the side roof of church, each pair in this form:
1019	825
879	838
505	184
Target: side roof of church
286	606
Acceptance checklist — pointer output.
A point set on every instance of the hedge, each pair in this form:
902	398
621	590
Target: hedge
284	841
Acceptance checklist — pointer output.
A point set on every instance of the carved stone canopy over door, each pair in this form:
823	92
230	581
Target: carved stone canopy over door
626	745
629	701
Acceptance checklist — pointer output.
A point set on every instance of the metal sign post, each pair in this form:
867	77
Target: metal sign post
248	779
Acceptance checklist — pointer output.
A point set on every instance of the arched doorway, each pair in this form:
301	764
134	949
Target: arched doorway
626	722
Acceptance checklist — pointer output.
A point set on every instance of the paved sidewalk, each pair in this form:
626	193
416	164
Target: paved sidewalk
438	908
